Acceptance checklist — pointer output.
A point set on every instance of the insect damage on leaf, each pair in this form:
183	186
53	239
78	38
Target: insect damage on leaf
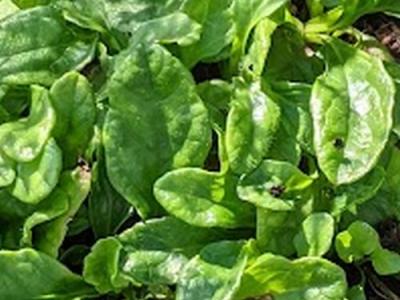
277	191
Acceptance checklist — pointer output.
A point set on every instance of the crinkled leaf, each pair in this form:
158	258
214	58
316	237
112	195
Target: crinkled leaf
129	15
157	122
184	32
252	122
54	206
75	186
7	172
295	133
38	47
148	253
24	139
36	179
352	107
216	19
214	274
145	21
73	101
101	267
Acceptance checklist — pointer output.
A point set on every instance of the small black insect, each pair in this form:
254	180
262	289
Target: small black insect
277	191
338	143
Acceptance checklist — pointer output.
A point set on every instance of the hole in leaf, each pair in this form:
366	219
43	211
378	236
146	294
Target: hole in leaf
348	38
338	143
277	191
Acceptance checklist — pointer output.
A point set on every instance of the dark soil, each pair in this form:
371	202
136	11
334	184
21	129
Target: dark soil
385	28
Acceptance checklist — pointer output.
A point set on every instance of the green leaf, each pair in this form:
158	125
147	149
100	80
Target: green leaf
184	32
11	209
308	278
359	240
36	179
216	19
349	196
247	14
214	274
352	113
7	7
101	266
383	206
394	71
288	59
75	186
148	253
385	262
39	47
15	101
161	235
252	122
107	209
129	16
277	229
216	95
356	293
28	274
24	139
144	21
315	7
315	236
30	3
254	60
52	207
7	172
156	123
73	101
273	185
354	9
203	198
295	133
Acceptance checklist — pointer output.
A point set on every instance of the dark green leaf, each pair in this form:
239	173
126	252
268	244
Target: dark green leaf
28	274
38	47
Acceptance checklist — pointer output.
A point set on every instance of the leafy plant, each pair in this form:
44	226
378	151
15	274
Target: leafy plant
185	149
